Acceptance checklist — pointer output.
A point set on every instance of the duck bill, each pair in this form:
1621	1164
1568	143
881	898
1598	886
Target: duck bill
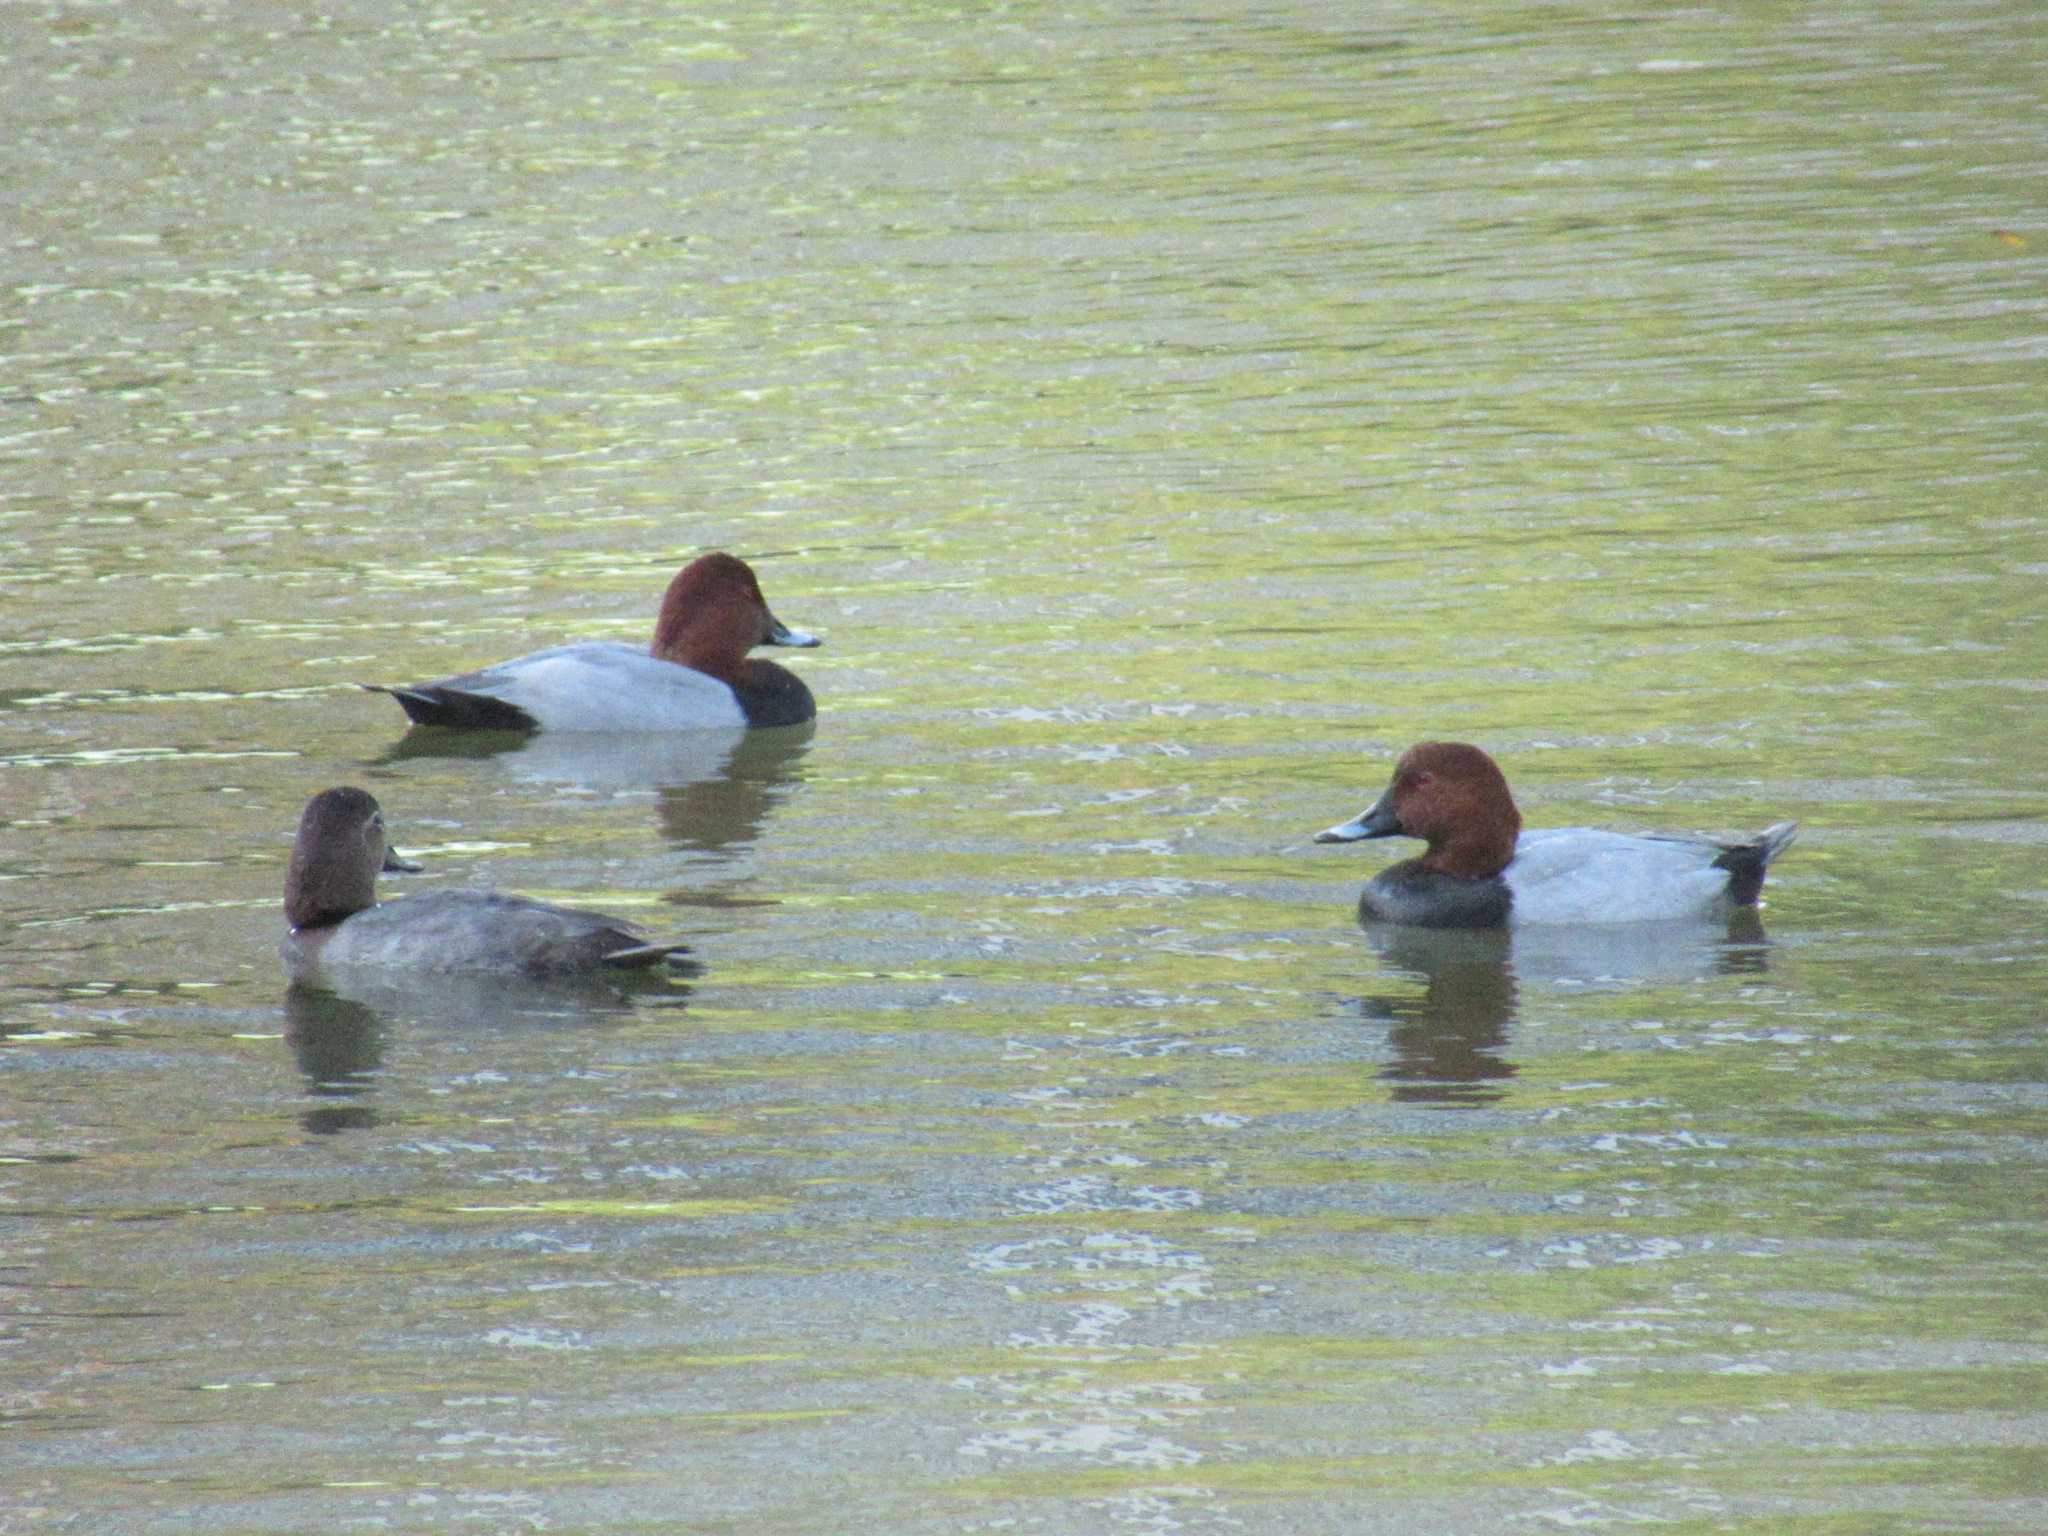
1379	821
780	633
394	865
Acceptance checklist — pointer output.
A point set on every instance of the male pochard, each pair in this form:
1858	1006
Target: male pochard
695	676
330	900
1482	871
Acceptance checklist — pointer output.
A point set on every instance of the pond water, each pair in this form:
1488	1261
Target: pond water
1164	417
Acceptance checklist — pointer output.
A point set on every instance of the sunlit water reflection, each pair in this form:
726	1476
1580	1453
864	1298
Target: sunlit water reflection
1164	420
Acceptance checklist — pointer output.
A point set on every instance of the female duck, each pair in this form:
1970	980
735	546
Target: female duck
1479	873
330	900
695	676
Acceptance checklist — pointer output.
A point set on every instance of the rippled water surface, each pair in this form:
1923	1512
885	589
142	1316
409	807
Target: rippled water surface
1165	416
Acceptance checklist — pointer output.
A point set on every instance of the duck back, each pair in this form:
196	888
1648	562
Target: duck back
474	931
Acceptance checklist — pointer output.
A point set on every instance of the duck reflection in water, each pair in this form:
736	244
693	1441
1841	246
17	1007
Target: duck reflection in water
339	1045
725	811
337	1027
715	789
1450	1042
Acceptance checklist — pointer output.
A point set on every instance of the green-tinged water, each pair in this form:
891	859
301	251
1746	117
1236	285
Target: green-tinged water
1165	418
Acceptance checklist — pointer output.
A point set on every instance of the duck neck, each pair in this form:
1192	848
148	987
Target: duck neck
313	901
711	640
1473	852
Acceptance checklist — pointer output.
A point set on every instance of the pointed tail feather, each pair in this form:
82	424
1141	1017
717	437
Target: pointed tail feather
431	704
645	956
1747	863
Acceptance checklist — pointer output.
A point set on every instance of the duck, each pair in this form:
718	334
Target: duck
337	924
695	676
1482	871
